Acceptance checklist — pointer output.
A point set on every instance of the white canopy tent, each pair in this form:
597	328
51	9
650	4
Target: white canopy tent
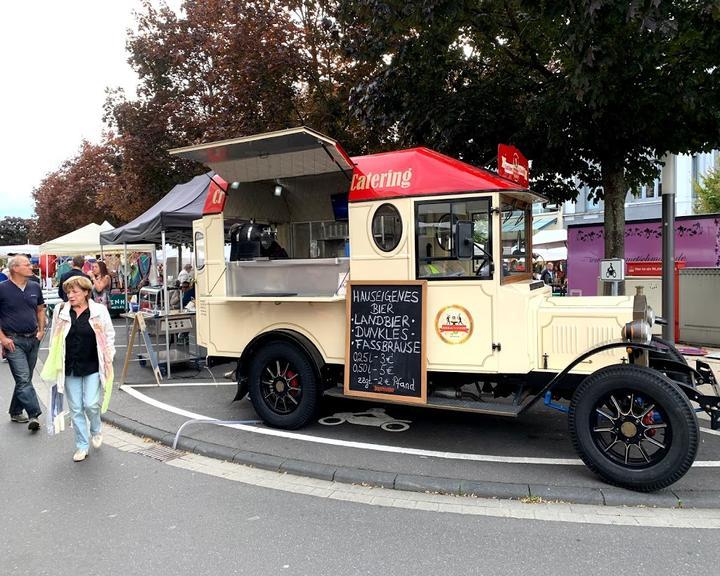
31	249
551	245
86	240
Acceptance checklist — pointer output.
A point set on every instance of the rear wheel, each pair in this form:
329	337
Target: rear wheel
283	386
633	427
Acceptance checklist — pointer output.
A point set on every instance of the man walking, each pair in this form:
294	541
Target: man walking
22	326
77	270
548	275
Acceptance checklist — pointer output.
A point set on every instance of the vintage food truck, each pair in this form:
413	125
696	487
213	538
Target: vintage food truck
404	277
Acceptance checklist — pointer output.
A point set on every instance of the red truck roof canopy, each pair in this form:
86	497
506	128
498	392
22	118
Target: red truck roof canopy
419	172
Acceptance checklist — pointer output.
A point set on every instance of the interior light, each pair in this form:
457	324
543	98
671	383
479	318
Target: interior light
235	185
278	190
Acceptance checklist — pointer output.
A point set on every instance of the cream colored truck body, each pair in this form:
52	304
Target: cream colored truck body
535	331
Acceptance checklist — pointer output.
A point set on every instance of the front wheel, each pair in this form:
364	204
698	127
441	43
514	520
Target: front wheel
633	427
283	386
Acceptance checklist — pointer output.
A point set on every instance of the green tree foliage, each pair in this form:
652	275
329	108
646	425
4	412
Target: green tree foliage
593	92
708	192
14	230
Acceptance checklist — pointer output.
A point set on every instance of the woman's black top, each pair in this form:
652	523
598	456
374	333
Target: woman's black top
81	358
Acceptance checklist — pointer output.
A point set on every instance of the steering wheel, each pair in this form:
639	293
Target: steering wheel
484	260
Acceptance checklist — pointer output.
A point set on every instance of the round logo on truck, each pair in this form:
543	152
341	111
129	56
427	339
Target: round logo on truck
454	324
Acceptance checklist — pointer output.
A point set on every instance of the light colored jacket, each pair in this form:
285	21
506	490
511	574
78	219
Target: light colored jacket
101	324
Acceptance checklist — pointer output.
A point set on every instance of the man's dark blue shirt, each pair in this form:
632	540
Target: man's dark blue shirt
18	308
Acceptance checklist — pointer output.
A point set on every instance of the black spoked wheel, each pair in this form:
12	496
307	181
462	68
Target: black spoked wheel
283	386
633	427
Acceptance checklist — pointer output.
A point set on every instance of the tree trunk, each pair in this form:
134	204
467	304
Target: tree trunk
615	190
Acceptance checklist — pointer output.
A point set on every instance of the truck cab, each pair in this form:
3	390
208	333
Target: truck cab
315	225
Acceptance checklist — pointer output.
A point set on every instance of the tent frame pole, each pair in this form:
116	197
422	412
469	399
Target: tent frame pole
167	304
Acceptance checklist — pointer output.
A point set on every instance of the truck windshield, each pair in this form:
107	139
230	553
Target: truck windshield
515	221
437	256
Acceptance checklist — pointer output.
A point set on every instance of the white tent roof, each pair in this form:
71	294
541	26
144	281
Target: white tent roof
86	240
551	254
549	237
31	249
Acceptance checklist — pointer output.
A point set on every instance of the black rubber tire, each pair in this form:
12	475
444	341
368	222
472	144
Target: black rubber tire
674	404
674	355
308	403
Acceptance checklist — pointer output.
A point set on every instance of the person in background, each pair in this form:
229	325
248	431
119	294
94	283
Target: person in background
82	348
3	277
186	274
548	275
101	283
22	327
188	293
77	270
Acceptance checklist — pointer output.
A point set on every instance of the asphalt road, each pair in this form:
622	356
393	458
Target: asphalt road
125	514
541	433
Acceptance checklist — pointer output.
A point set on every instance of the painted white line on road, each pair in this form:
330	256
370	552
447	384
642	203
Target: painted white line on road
350	444
639	517
182	384
378	447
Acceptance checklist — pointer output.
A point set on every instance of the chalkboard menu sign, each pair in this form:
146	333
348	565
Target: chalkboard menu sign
385	355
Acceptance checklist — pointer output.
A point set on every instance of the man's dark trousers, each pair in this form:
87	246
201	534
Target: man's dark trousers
22	365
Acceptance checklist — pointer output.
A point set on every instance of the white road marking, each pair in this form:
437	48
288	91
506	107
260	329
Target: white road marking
639	517
377	447
181	384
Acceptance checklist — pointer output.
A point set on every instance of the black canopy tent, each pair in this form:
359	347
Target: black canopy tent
170	221
173	214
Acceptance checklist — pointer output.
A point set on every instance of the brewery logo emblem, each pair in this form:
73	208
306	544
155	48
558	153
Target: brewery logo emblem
454	324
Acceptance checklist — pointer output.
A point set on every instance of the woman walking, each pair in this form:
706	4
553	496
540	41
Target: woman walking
82	348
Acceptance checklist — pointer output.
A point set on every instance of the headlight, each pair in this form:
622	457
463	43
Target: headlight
637	331
650	316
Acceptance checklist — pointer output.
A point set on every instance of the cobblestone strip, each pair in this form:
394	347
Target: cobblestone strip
531	509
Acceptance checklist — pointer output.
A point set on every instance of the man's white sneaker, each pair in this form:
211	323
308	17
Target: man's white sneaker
79	455
96	441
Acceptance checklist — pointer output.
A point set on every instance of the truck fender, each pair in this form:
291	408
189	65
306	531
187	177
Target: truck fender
560	376
284	335
709	403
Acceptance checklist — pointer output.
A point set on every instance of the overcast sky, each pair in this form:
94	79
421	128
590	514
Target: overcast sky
57	59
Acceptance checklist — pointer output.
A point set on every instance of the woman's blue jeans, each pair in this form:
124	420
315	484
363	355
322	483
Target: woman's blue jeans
83	396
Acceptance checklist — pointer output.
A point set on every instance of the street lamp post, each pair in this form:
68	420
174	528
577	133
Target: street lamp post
668	247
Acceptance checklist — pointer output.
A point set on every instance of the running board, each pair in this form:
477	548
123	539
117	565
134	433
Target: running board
493	408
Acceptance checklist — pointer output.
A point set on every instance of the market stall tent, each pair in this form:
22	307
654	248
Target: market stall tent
31	249
173	214
551	244
86	240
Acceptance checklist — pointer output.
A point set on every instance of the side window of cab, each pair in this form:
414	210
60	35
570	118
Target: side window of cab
453	240
199	250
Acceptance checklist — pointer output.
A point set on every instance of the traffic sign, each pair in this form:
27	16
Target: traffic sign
612	270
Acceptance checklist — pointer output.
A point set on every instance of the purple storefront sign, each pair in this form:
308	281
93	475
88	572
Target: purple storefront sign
697	243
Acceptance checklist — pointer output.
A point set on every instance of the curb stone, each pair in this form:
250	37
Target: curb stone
607	496
365	477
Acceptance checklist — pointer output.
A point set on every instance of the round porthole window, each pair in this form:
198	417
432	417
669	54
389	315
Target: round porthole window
387	227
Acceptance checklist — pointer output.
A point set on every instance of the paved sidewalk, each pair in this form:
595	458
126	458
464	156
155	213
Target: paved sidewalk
531	508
